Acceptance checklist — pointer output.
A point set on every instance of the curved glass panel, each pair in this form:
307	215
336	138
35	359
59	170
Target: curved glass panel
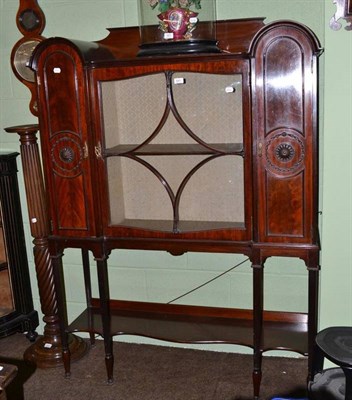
132	108
174	151
215	193
216	115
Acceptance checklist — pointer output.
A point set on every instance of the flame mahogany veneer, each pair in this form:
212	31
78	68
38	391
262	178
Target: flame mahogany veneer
277	69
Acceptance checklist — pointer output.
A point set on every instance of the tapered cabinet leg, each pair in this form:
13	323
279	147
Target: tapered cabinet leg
257	377
313	277
109	359
47	350
88	289
104	294
258	278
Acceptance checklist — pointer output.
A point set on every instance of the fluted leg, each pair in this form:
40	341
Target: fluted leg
47	350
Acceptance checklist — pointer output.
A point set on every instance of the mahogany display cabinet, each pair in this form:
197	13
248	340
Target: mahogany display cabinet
202	152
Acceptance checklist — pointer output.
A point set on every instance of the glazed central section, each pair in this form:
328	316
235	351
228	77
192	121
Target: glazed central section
165	169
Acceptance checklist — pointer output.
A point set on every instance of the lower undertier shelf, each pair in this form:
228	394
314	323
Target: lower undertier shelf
194	324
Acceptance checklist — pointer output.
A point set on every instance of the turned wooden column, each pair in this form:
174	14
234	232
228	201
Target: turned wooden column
47	350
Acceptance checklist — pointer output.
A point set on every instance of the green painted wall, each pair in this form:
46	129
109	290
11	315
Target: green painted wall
154	276
336	282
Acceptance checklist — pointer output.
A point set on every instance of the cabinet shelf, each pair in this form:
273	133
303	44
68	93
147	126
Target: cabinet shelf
183	226
194	324
175	149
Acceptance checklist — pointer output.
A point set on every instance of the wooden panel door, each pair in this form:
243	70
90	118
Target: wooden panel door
285	130
64	136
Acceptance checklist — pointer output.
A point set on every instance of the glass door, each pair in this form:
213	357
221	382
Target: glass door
174	152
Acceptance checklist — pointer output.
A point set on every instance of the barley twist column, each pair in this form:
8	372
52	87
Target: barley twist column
46	351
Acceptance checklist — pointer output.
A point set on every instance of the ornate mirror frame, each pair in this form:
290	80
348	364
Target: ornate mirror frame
343	11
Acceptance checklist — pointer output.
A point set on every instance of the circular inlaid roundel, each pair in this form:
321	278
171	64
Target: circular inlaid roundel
284	150
66	154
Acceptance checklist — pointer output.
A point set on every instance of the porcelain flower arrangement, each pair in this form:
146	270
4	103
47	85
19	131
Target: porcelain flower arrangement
176	19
